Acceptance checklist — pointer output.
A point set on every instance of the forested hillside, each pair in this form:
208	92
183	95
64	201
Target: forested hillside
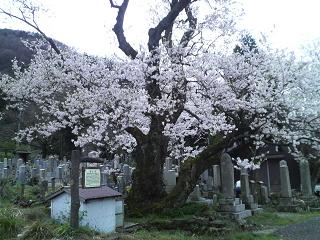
12	47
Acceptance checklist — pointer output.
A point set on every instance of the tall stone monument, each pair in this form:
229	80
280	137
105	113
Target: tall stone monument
305	179
246	195
228	203
285	200
216	178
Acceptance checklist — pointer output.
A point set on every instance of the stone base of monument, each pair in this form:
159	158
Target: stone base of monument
254	208
285	201
234	207
290	208
169	188
287	205
313	209
201	200
241	215
309	200
257	211
251	205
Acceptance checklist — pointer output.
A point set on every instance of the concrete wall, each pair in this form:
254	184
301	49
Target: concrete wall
60	207
97	214
100	214
119	213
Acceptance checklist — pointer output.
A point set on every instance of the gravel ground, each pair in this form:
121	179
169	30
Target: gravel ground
308	230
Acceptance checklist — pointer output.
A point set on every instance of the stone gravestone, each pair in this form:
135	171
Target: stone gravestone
22	178
264	195
5	162
14	163
126	173
43	183
9	166
66	174
104	178
19	163
168	164
246	195
210	180
34	174
195	195
43	175
285	181
259	189
121	184
204	180
53	183
22	174
5	173
116	163
1	170
227	177
60	174
285	200
170	180
228	203
305	179
216	178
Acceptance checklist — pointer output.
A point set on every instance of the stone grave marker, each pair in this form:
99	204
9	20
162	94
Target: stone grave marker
305	179
246	195
228	203
22	178
170	180
216	178
126	173
285	200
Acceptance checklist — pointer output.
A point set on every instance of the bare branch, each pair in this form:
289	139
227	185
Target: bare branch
33	25
118	30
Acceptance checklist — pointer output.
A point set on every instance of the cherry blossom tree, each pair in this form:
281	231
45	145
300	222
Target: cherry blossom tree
187	95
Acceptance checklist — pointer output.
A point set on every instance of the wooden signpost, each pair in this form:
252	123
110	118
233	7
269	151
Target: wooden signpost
90	178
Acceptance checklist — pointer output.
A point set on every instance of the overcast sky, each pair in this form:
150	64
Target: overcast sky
86	24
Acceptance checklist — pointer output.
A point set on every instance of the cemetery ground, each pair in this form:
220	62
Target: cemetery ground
194	221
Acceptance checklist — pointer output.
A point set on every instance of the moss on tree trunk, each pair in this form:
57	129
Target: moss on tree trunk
148	186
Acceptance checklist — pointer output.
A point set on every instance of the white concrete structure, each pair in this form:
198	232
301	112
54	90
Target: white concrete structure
101	208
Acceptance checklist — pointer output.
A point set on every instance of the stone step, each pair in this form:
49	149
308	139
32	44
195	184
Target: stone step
241	215
232	208
252	206
257	211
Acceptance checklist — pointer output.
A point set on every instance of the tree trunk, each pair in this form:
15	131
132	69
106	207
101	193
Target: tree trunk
44	149
74	188
148	186
192	168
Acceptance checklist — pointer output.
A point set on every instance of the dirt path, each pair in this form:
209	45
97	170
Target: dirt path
307	230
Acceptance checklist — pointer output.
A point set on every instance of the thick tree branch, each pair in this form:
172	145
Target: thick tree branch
118	30
114	5
187	36
168	32
193	115
136	133
165	23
